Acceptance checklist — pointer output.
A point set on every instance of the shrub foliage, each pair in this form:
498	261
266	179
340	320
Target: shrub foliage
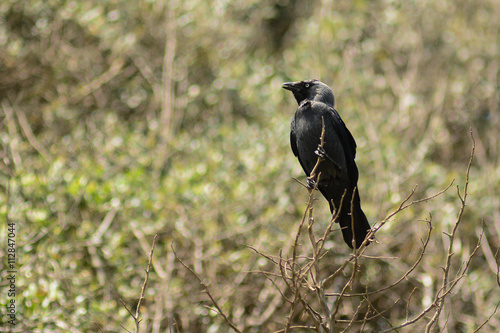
125	120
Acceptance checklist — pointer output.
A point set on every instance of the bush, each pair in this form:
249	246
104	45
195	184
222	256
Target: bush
123	120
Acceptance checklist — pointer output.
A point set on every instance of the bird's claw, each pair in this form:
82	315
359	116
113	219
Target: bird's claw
311	184
320	151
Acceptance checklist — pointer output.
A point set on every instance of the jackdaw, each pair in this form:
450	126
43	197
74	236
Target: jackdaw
337	170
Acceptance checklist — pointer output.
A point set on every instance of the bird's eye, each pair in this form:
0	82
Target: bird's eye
307	85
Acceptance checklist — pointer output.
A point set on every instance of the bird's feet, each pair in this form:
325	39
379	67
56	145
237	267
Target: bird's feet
320	151
311	183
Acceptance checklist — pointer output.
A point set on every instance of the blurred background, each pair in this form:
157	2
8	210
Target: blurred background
125	119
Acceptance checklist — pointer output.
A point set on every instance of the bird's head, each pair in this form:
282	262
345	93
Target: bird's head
313	90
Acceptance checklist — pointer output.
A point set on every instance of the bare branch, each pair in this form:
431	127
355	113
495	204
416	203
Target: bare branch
145	284
405	275
214	302
404	206
28	132
498	267
445	289
126	307
487	320
135	315
274	260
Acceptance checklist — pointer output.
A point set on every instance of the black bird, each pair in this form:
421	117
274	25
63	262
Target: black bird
338	170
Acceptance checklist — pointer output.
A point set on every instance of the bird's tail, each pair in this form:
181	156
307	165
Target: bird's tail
355	218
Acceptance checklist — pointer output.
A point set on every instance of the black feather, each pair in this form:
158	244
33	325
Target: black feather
339	173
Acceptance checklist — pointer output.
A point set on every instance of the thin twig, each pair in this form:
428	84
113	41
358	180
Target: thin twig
446	271
28	132
137	320
498	267
405	275
214	302
272	259
446	286
145	284
487	320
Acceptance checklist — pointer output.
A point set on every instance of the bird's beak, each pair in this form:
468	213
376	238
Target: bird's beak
292	86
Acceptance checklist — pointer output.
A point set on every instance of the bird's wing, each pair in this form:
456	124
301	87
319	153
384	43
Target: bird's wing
295	149
347	139
293	139
348	144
